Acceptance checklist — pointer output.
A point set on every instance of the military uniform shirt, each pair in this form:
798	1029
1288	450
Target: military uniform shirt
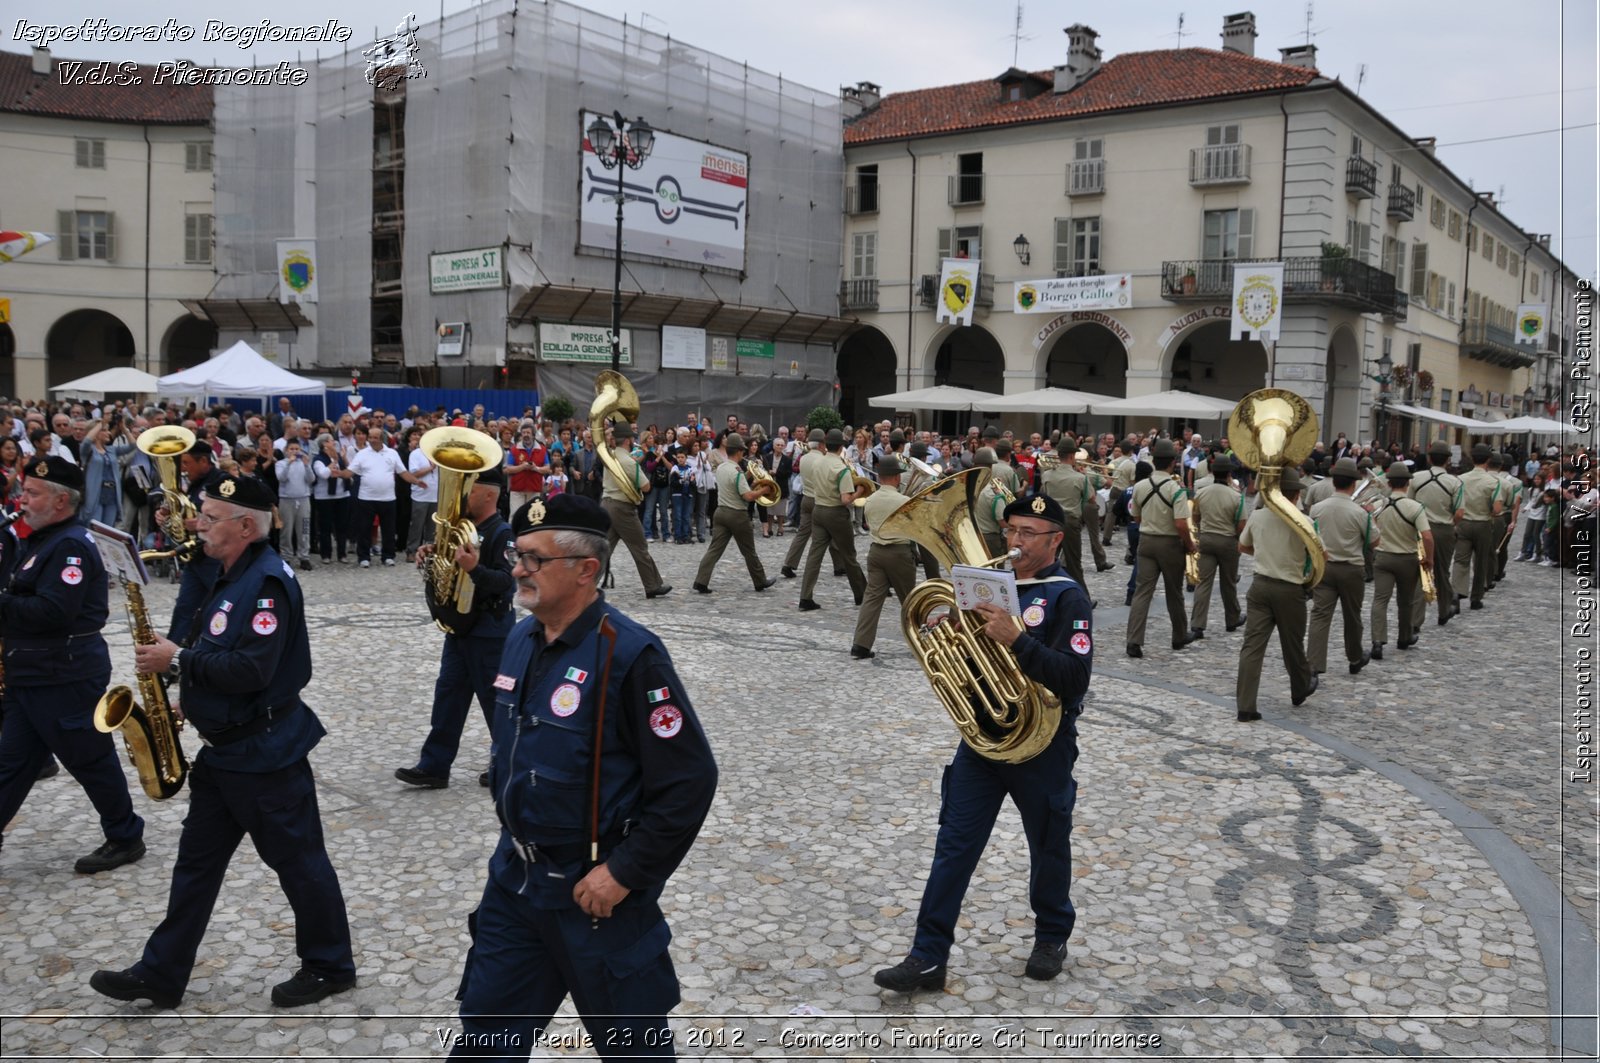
1279	552
1512	492
1440	494
833	478
1344	526
1218	509
1319	490
1122	475
879	507
1480	489
1067	486
630	468
1002	472
1150	506
1401	523
731	484
988	510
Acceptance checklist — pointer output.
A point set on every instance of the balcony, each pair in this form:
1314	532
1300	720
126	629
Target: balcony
1325	280
1219	164
861	199
1361	177
1497	346
1402	203
928	290
859	294
1402	306
966	189
1086	177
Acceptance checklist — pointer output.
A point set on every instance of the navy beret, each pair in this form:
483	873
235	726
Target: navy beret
1041	507
246	491
563	512
55	470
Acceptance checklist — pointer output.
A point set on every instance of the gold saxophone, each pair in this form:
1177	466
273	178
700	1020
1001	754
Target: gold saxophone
1001	713
1270	429
461	455
150	732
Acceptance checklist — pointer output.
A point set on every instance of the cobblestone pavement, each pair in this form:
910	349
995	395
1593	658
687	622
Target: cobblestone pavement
1243	892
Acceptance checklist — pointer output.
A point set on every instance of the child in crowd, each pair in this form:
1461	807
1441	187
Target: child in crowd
682	487
556	482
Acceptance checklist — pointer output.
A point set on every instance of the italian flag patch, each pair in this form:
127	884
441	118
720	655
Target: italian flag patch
577	675
1080	625
263	603
660	694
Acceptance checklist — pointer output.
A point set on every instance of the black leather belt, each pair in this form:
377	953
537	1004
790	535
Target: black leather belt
239	732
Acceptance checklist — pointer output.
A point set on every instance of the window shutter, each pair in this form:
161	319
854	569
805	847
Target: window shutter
1419	272
67	235
1063	256
1247	231
1099	257
1399	263
944	244
111	236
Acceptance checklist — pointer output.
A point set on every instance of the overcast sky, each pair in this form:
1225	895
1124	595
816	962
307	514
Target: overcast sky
1495	82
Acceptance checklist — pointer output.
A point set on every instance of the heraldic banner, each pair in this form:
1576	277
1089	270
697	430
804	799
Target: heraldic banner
297	271
1257	301
1531	320
958	290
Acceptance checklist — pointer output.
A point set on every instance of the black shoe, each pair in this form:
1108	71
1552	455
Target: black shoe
50	770
1405	645
1196	634
807	605
1249	717
1300	699
911	974
761	586
859	599
861	653
1134	650
125	985
305	566
1105	542
1044	963
1236	625
660	592
1377	651
1107	567
1127	559
483	779
418	777
1128	598
1356	666
1443	620
1188	637
108	856
788	573
702	588
1477	605
307	988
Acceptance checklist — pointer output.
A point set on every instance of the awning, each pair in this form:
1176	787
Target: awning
1048	400
1422	413
249	315
1539	426
592	306
939	397
1168	404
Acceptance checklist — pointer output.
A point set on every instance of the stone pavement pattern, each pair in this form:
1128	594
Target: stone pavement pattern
1243	893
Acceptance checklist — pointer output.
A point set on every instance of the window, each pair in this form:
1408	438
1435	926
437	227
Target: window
1085	246
1088	173
91	154
197	156
969	182
1454	229
197	233
1488	247
1394	260
1355	145
1515	265
1436	212
1474	305
1472	238
1444	405
1419	273
1450	300
86	234
1500	256
1435	292
1221	134
864	255
1395	176
965	242
1533	282
1358	239
1228	234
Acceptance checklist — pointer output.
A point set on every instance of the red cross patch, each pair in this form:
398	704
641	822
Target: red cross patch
666	721
264	623
72	574
1081	644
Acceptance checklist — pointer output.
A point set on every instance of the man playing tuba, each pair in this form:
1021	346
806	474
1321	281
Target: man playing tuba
1053	647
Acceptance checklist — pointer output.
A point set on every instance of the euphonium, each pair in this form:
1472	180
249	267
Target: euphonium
163	444
1270	429
613	397
862	487
1001	713
767	490
461	455
150	731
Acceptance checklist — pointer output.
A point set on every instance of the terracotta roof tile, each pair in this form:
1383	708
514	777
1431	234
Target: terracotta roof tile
23	92
1132	80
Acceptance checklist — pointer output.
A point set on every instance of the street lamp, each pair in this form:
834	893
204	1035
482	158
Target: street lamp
620	144
1021	246
1383	377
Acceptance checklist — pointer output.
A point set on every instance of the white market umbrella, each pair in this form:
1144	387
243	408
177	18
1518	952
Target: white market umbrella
942	397
1537	425
1167	404
123	379
1048	400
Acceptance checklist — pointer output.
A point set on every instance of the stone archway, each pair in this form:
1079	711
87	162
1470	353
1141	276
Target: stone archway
1085	357
1341	403
1207	362
188	342
84	342
966	357
866	366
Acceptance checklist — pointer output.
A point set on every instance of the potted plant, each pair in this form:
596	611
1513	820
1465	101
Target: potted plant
1399	377
1425	383
1333	259
1189	281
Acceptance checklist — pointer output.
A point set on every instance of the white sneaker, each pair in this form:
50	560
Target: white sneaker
366	564
388	562
1548	564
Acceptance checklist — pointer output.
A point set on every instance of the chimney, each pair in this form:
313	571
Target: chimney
1544	241
41	62
1425	144
1083	58
1303	56
1239	33
859	98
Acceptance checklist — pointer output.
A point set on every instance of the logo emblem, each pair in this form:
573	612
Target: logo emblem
577	675
72	574
228	488
264	623
1081	645
666	721
504	682
1038	505
41	469
958	291
659	694
1033	616
1027	295
219	622
298	271
536	512
1258	301
564	702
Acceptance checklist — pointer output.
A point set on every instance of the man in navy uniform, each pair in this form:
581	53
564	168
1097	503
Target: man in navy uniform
472	650
57	666
601	777
1053	648
240	689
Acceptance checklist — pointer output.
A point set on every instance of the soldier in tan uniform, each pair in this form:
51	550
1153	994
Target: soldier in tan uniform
1440	494
1321	487
1003	472
625	515
1161	506
1481	503
809	463
1122	470
988	508
1091	507
732	519
1070	488
1346	530
891	561
831	521
1276	600
1402	522
1502	466
1219	517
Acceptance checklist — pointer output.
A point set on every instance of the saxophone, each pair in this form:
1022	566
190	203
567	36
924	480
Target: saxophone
150	732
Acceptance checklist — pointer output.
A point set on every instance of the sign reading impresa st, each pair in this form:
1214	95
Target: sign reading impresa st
580	343
686	203
465	271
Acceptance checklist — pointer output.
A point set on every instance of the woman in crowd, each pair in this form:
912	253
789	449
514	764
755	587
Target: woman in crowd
330	498
1533	510
102	472
11	471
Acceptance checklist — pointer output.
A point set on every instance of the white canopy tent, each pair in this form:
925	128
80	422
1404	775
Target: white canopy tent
240	371
1049	400
121	380
942	397
1167	404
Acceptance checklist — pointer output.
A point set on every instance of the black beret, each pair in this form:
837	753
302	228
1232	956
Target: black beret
493	476
563	512
55	470
621	430
245	491
1221	463
202	449
1042	507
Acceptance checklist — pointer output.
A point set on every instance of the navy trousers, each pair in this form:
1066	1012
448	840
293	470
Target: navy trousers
467	666
59	719
973	789
525	959
278	810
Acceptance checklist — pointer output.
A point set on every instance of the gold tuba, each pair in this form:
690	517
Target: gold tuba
462	455
1270	429
163	444
150	731
614	398
1001	713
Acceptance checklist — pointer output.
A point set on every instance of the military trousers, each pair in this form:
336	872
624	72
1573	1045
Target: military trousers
802	538
833	528
626	527
1389	573
1091	527
731	524
1473	557
1502	546
1219	554
1344	584
1160	558
889	568
1272	604
1444	548
1071	553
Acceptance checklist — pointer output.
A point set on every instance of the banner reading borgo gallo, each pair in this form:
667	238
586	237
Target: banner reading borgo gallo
1057	295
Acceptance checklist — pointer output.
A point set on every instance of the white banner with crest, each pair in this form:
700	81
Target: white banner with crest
958	290
1257	301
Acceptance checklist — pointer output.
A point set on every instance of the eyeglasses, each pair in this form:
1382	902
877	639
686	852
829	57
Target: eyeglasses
1025	534
205	520
533	561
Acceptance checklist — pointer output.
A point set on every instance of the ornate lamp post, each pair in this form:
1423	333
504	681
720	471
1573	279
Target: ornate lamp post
620	145
1383	377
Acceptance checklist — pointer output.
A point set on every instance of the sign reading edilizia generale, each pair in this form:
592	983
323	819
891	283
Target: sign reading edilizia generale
581	343
1057	295
465	271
